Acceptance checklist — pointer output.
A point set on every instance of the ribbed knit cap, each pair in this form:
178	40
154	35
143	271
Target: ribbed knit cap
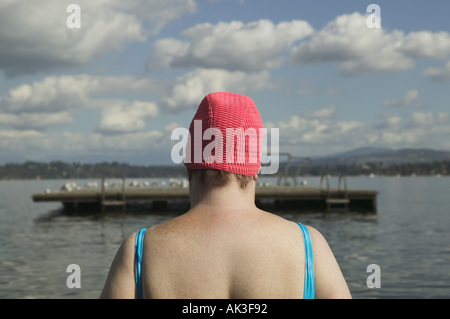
225	135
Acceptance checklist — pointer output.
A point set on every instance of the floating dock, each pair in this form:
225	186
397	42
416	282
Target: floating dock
298	196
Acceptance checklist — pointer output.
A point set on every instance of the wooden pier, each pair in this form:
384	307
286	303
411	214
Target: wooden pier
298	196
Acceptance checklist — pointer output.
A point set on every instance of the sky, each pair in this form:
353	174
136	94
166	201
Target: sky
110	80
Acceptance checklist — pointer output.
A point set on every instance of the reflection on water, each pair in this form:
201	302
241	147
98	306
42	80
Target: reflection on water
408	239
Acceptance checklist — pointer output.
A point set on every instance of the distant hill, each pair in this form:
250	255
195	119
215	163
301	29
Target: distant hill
384	156
376	161
362	151
62	170
368	160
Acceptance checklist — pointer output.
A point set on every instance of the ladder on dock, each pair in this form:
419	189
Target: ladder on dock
342	200
287	172
106	200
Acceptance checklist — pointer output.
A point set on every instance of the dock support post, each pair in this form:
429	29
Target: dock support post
103	195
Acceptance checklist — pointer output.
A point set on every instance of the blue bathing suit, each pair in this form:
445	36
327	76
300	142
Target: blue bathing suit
138	247
309	263
309	290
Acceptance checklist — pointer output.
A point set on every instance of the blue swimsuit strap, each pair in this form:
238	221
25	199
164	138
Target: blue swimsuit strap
309	290
138	248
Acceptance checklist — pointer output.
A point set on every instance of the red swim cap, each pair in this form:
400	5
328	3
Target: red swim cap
226	134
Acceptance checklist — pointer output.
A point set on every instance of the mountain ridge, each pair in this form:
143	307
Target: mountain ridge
387	156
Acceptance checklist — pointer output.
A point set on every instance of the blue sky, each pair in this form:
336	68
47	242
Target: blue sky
115	89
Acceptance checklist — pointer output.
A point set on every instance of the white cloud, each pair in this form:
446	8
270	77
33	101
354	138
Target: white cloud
439	75
410	97
232	45
37	121
425	44
391	121
143	142
316	128
37	145
165	51
443	118
156	13
12	141
50	94
56	99
127	117
34	36
422	119
415	130
191	88
323	113
358	49
301	134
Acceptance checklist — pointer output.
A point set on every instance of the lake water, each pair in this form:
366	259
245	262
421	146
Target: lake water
408	238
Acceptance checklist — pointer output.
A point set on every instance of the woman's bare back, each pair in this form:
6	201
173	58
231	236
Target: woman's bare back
224	255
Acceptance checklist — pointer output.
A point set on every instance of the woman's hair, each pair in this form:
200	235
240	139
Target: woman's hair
218	178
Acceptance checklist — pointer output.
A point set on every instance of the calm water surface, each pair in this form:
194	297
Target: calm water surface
408	238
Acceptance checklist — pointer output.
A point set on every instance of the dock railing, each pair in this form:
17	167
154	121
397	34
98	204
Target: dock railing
114	200
285	174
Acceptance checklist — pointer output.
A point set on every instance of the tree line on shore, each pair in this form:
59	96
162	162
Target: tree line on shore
63	170
406	169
